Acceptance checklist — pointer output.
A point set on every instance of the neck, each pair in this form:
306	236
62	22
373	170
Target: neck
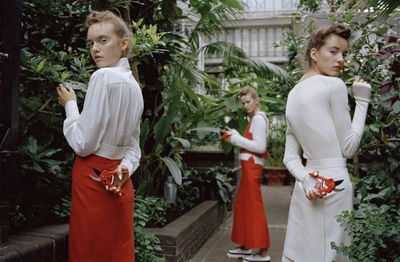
255	112
309	73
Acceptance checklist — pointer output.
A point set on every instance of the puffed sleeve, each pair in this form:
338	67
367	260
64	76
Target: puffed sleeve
259	131
132	155
85	131
292	159
349	132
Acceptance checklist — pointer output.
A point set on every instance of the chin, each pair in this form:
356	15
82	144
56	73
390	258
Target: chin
332	74
101	65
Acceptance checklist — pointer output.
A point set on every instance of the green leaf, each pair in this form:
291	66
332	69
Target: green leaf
37	167
173	169
40	66
32	145
396	106
48	152
184	142
64	75
162	128
233	3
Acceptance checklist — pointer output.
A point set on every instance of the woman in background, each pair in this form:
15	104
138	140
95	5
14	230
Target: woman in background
250	228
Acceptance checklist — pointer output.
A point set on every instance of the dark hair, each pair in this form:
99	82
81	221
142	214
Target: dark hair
249	91
318	38
120	27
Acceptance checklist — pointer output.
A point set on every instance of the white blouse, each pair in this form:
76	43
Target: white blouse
109	124
319	123
259	130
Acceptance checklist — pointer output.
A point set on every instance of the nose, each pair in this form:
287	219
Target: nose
95	48
340	58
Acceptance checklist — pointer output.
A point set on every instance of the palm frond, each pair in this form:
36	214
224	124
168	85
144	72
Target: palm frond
385	7
214	20
234	55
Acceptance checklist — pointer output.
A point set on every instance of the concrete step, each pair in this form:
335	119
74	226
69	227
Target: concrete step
276	202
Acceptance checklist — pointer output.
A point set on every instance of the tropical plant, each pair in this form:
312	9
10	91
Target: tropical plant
179	112
276	142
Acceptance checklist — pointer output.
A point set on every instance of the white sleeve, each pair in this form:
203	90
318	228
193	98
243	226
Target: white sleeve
292	159
132	156
85	131
348	132
259	131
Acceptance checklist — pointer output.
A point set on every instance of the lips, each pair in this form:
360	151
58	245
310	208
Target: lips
97	57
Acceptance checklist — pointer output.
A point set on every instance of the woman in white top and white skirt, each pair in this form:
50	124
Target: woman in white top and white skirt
105	137
319	125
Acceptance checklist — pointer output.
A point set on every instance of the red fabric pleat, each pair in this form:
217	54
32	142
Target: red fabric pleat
101	223
250	227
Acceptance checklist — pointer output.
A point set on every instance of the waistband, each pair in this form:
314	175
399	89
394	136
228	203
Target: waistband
247	156
111	151
326	162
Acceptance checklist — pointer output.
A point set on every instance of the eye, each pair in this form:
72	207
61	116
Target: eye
103	40
333	52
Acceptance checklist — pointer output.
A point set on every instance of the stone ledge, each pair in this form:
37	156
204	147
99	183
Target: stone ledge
48	243
180	239
183	237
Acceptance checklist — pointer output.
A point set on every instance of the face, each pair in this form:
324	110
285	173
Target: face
105	46
328	60
249	104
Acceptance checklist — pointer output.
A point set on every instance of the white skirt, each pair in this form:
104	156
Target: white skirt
312	225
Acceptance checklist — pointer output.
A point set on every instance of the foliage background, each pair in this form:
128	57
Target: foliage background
53	50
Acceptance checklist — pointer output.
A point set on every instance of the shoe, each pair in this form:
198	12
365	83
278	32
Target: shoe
256	258
238	252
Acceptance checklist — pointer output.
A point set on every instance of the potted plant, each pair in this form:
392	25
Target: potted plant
275	172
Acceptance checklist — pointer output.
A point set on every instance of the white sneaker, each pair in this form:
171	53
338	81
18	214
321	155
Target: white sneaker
238	252
257	258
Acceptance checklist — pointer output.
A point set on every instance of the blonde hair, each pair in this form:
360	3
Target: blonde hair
249	91
120	27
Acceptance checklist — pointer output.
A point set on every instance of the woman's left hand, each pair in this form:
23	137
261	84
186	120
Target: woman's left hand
119	180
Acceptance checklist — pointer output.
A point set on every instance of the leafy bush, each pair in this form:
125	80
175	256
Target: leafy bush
146	244
210	183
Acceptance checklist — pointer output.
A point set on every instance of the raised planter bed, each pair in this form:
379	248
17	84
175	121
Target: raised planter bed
183	237
203	159
276	176
47	244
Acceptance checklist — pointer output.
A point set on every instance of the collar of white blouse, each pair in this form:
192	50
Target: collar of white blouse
122	62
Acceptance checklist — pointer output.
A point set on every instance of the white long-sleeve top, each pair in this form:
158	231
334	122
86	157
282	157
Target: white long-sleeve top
318	122
109	124
259	131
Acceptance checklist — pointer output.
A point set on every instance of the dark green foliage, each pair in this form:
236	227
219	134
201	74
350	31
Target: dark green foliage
52	52
146	244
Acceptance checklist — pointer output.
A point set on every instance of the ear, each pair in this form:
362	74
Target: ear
314	55
124	43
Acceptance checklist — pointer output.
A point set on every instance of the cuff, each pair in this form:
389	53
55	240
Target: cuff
128	164
71	109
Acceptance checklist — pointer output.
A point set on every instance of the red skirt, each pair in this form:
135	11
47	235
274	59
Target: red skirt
101	223
250	228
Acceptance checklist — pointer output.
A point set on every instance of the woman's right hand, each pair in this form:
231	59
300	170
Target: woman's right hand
65	94
311	186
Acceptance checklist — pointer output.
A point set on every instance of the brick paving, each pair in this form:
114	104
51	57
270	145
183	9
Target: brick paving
276	203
